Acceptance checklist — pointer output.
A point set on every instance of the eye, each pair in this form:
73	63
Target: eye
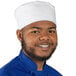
51	31
36	32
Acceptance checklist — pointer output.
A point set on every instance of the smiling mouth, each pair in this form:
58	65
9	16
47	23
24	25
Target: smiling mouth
44	46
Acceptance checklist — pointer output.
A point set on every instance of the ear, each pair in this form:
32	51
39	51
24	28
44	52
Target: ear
19	35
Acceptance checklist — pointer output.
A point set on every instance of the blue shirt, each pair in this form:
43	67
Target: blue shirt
24	66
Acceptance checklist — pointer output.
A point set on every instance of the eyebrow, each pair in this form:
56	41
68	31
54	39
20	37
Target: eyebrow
52	27
36	27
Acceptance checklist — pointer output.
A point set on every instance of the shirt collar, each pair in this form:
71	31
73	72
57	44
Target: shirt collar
27	61
30	64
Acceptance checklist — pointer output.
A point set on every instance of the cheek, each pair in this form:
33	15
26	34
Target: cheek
55	41
54	38
29	40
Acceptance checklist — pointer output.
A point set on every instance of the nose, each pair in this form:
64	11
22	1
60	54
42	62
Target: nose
44	38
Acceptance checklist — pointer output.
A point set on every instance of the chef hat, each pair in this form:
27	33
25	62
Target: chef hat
34	11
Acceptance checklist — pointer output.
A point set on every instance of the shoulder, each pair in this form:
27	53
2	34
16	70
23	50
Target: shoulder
10	68
4	71
14	68
11	64
52	71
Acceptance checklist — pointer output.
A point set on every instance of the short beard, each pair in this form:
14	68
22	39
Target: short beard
31	52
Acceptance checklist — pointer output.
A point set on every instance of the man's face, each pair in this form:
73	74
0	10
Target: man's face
39	40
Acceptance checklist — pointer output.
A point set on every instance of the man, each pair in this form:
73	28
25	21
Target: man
38	36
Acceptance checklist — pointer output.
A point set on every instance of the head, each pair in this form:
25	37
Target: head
38	39
37	34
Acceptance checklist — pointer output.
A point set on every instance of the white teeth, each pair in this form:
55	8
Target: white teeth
44	46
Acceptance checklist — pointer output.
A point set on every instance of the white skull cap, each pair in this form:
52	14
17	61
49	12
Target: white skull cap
34	11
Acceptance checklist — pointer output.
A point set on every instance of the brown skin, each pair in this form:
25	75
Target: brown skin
36	34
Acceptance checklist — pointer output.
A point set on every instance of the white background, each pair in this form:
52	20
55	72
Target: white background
64	58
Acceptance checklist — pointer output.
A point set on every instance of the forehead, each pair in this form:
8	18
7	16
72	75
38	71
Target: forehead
41	24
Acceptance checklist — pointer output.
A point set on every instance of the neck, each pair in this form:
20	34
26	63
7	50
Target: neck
40	64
